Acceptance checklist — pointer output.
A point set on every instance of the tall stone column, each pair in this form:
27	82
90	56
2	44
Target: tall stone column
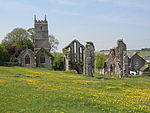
77	53
89	59
67	60
126	69
122	48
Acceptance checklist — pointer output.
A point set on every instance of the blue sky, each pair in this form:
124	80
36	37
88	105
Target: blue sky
100	21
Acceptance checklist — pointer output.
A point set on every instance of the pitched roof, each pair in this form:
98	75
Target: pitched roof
26	50
43	50
73	42
130	54
144	67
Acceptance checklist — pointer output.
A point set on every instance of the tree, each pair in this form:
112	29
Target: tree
31	32
16	41
58	61
20	39
3	54
53	43
100	60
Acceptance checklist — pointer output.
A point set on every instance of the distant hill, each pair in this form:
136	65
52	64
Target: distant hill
145	49
143	53
106	52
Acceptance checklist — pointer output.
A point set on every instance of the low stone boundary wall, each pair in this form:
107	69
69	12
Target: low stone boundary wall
9	64
146	74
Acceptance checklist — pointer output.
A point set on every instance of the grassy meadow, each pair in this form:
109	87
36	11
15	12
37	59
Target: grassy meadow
39	90
145	54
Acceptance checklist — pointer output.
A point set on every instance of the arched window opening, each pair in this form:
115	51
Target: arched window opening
42	59
75	51
81	54
27	59
111	68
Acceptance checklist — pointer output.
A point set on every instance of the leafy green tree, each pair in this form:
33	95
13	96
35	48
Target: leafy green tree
58	61
53	43
19	39
31	32
100	60
147	69
16	41
3	54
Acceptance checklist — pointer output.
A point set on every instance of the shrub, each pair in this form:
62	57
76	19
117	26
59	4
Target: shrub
3	54
58	61
100	60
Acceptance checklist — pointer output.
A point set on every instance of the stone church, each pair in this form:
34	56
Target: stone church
40	57
120	61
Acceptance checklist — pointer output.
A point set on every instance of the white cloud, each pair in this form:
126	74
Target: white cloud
130	20
65	2
142	4
65	12
17	6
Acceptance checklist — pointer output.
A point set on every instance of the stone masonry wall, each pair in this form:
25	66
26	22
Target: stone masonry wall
89	58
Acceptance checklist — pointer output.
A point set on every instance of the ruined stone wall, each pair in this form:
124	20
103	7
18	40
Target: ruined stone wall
111	62
73	55
126	63
80	58
89	59
122	48
114	62
67	61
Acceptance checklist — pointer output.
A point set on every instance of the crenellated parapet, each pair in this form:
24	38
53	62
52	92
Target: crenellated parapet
40	21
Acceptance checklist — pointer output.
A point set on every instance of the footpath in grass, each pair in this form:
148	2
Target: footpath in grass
39	90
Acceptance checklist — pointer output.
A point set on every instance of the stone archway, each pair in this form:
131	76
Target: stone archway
73	54
79	57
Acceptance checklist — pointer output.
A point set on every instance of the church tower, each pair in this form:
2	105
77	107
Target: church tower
41	39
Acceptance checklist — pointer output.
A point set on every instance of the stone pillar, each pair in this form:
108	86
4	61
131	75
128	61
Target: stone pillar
122	48
67	60
126	70
78	52
72	55
89	59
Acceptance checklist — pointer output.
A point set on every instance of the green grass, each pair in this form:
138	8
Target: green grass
145	54
39	90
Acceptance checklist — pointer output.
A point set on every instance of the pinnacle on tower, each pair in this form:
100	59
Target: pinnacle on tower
35	18
45	18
